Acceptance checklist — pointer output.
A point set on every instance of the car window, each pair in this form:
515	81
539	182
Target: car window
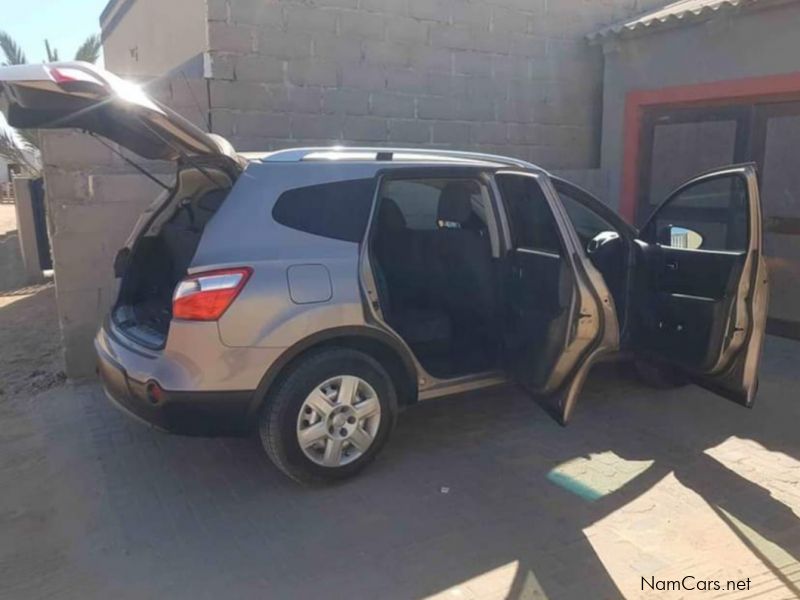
709	215
337	210
531	221
418	200
587	223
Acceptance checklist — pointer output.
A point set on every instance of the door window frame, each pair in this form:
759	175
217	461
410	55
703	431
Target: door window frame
647	234
661	115
563	222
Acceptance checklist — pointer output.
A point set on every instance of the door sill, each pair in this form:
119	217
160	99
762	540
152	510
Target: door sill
466	383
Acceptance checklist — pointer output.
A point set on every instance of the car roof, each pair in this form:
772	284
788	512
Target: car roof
417	156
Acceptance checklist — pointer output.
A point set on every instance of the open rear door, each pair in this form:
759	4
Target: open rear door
83	96
562	316
701	293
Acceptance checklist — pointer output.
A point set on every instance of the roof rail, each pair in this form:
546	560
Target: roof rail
300	154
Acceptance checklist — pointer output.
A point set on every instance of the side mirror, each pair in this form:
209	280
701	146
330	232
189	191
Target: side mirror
679	237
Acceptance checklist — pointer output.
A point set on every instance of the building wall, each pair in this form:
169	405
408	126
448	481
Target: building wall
509	76
144	38
727	47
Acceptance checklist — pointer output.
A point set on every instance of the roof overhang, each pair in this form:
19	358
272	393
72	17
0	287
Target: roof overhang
679	14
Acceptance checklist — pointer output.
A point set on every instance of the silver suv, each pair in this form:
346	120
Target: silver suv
312	293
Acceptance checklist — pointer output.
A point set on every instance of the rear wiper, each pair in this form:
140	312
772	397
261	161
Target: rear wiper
136	166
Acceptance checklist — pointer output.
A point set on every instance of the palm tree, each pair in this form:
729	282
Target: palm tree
14	54
88	51
18	146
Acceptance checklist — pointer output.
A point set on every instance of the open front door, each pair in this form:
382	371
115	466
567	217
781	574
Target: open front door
561	314
701	295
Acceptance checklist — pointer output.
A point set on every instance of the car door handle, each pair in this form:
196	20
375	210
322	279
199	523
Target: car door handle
672	265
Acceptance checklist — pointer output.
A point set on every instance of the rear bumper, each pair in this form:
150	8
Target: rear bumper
188	413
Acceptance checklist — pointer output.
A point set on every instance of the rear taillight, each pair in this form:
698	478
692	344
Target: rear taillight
206	296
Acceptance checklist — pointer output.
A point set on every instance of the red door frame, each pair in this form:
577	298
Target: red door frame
772	88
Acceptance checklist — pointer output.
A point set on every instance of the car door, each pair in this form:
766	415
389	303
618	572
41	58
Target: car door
701	294
561	316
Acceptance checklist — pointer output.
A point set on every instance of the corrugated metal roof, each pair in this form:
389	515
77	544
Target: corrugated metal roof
682	12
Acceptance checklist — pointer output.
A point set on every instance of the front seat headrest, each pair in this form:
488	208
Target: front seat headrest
390	216
455	203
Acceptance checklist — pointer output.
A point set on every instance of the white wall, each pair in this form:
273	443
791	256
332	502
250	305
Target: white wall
153	36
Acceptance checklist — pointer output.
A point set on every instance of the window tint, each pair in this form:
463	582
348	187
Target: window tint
336	210
418	200
709	215
586	222
532	223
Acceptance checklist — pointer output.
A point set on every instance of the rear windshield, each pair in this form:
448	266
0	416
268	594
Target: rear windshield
338	210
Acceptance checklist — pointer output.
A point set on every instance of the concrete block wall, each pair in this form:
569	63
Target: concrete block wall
93	201
508	76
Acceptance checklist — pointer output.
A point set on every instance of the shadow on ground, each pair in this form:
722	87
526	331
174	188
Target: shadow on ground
465	487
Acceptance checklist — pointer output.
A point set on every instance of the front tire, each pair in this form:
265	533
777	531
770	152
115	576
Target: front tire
329	417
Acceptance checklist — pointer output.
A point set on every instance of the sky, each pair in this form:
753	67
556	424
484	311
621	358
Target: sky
65	23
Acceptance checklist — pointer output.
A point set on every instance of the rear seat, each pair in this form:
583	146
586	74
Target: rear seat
406	272
463	252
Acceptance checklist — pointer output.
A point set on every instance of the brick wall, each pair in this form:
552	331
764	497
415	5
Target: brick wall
509	76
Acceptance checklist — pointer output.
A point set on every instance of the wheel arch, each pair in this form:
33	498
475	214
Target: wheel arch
392	356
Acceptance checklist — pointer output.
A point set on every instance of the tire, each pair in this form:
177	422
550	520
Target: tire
661	377
280	420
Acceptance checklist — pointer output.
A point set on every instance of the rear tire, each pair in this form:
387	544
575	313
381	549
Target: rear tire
661	377
342	405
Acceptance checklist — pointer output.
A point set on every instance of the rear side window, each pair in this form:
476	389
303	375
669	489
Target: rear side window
533	225
336	210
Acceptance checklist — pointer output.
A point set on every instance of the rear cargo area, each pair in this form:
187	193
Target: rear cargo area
163	251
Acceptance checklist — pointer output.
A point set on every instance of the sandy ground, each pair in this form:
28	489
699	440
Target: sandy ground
30	341
30	353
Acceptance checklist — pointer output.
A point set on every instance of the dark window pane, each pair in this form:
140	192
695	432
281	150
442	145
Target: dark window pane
336	210
682	150
532	223
709	215
419	199
586	222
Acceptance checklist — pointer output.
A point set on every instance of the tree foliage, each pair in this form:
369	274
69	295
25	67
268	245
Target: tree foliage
89	50
13	53
18	146
52	53
17	150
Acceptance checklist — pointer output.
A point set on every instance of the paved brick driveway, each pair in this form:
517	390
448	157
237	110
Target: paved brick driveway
476	497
